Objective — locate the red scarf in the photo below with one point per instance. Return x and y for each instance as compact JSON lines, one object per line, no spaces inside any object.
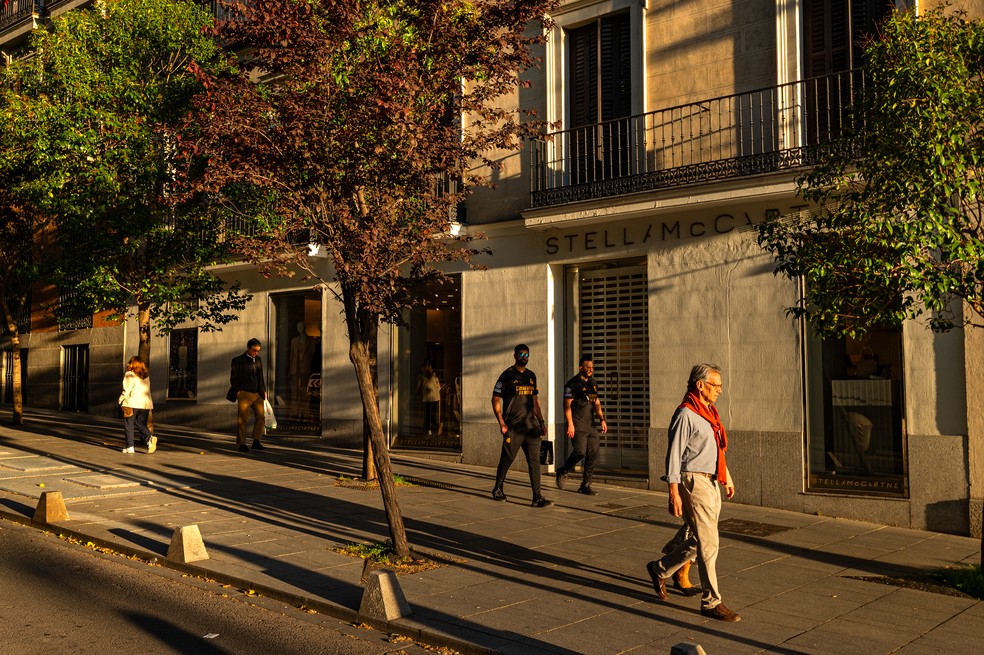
{"x":710,"y":414}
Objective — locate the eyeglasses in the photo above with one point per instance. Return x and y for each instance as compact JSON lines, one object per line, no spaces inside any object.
{"x":523,"y":355}
{"x":711,"y":384}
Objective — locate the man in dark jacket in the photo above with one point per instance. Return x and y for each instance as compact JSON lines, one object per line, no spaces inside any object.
{"x":249,"y":391}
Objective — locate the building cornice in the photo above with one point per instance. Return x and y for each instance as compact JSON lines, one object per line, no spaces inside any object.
{"x":657,"y":203}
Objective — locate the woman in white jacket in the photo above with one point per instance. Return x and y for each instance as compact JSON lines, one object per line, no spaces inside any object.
{"x":137,"y":403}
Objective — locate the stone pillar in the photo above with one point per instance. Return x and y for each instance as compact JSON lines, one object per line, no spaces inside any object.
{"x":974,"y":382}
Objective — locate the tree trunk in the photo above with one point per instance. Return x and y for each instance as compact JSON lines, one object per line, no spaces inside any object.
{"x":368,"y":464}
{"x":17,"y":415}
{"x":143,"y":329}
{"x":369,"y":472}
{"x":360,"y":325}
{"x":143,"y":351}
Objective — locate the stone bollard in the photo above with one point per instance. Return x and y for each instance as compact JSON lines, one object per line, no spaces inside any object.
{"x":51,"y":508}
{"x":383,"y":599}
{"x":187,"y":545}
{"x":687,"y":649}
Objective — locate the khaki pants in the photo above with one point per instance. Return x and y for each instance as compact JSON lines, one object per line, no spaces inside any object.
{"x":247,"y":400}
{"x":701,"y":509}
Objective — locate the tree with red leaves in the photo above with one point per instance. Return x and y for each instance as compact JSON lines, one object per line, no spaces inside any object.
{"x":360,"y":126}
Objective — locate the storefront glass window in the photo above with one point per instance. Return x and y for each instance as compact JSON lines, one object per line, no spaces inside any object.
{"x":294,"y":362}
{"x":856,"y":417}
{"x":427,"y":372}
{"x":182,"y":370}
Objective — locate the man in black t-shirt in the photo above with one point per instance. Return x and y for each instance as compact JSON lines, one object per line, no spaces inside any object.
{"x":517,"y":409}
{"x":581,"y":405}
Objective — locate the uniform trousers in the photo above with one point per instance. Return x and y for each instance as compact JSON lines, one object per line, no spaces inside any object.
{"x":512,"y":441}
{"x":586,"y":444}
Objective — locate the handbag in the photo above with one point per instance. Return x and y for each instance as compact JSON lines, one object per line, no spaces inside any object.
{"x":546,"y":452}
{"x":127,"y":411}
{"x":269,"y":418}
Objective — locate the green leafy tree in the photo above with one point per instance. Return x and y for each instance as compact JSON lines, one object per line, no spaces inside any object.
{"x":47,"y":150}
{"x":898,"y":234}
{"x":130,"y":61}
{"x":25,"y":219}
{"x":369,"y":124}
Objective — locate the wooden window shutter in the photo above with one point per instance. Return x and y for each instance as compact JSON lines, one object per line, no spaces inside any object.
{"x":616,"y":68}
{"x":836,"y":31}
{"x":584,"y":75}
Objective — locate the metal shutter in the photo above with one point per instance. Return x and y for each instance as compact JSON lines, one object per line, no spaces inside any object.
{"x":612,"y":325}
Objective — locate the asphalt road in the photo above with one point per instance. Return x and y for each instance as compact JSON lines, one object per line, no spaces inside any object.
{"x":59,"y":598}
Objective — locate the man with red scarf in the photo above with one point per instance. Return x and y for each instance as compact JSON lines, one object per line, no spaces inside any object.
{"x":695,"y":465}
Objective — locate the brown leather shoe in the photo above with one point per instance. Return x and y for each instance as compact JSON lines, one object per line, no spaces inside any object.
{"x":721,"y":613}
{"x":681,"y":579}
{"x":659,"y":583}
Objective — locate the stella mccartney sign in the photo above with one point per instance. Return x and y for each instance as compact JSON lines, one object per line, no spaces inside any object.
{"x":641,"y":233}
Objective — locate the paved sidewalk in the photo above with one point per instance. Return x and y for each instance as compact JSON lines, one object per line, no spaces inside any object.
{"x":566,"y":579}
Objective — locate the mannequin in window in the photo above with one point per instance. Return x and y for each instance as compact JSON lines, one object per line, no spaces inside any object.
{"x":429,"y":385}
{"x":183,"y":367}
{"x":301,"y":348}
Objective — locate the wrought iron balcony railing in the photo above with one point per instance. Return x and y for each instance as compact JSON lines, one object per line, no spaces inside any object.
{"x":773,"y":129}
{"x":221,"y":13}
{"x":14,"y":12}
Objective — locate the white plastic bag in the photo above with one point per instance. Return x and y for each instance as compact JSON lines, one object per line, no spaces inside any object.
{"x":269,"y":418}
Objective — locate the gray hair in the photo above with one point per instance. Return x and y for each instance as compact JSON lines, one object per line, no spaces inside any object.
{"x":699,"y":373}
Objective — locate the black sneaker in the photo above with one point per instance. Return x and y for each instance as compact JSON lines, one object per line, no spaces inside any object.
{"x":258,"y":446}
{"x":244,"y":448}
{"x":497,"y":494}
{"x":541,"y":502}
{"x":561,"y":478}
{"x":587,"y":490}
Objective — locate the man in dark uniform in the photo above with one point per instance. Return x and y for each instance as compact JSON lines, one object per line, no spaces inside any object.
{"x":246,"y":387}
{"x":517,"y":408}
{"x":581,"y":405}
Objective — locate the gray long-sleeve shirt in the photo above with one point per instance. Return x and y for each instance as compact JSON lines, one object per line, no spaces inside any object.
{"x":691,"y":446}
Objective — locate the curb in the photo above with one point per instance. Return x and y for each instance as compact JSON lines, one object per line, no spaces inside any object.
{"x":296,"y":600}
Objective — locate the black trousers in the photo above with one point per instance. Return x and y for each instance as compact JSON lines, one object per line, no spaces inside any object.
{"x":512,"y":442}
{"x":430,"y":415}
{"x":586,"y":444}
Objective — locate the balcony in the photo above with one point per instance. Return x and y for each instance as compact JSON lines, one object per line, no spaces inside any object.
{"x":22,"y":13}
{"x":781,"y":128}
{"x":218,"y":11}
{"x":17,"y":12}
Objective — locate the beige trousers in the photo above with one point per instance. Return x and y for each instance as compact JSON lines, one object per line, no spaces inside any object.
{"x":701,"y":509}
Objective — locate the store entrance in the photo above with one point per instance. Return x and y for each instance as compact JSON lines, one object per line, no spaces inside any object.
{"x":609,"y":305}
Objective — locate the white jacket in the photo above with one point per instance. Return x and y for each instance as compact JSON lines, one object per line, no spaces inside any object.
{"x":136,"y":392}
